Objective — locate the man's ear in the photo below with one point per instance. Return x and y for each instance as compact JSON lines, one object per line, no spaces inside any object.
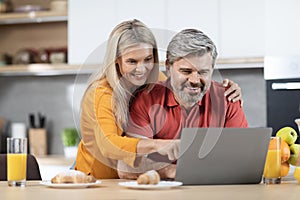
{"x":167,"y":64}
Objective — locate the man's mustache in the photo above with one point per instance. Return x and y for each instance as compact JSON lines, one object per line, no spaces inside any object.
{"x":200,"y":85}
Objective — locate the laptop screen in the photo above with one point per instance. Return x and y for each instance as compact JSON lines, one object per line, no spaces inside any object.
{"x":222,"y":155}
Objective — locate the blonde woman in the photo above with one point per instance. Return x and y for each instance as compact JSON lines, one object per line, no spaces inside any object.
{"x":131,"y":61}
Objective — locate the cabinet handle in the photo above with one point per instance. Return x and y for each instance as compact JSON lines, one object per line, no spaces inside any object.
{"x":286,"y":86}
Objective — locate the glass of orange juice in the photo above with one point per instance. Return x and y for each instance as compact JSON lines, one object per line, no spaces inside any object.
{"x":273,"y":162}
{"x":16,"y":161}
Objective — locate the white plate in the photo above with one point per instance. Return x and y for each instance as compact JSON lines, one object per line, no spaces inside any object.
{"x":160,"y":185}
{"x":69,"y":185}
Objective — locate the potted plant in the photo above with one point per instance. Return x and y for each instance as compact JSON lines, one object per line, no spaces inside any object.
{"x":70,"y":139}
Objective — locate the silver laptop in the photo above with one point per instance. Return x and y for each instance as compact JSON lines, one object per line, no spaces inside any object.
{"x":222,"y":155}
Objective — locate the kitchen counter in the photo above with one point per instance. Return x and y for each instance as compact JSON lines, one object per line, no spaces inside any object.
{"x":109,"y":189}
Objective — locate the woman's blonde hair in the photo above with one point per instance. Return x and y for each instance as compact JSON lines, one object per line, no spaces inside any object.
{"x":124,"y":35}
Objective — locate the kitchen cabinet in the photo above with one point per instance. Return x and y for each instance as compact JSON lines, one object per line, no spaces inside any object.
{"x":200,"y":14}
{"x":231,"y":24}
{"x":283,"y":28}
{"x":241,"y":28}
{"x":89,"y":31}
{"x":33,"y":30}
{"x":87,"y":40}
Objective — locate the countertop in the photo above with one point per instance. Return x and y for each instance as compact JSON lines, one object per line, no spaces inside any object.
{"x":109,"y":189}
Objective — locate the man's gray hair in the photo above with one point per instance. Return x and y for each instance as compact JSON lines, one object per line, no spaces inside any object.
{"x":190,"y":42}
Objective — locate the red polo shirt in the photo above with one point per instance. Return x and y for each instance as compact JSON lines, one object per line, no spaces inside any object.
{"x":156,"y":113}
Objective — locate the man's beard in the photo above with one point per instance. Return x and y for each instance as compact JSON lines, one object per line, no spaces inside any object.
{"x":191,"y":100}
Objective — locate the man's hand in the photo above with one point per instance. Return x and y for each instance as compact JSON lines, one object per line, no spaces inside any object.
{"x":233,"y":93}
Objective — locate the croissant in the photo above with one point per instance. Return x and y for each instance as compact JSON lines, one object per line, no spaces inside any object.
{"x":73,"y":176}
{"x":149,"y":177}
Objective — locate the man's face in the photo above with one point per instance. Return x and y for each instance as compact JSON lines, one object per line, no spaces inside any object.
{"x":191,"y":78}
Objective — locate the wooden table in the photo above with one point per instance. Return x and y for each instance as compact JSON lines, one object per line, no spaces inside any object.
{"x":109,"y":189}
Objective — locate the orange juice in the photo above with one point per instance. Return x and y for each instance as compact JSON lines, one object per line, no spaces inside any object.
{"x":273,"y":164}
{"x":16,"y":166}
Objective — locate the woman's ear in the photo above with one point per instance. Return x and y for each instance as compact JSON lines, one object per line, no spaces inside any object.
{"x":168,"y":66}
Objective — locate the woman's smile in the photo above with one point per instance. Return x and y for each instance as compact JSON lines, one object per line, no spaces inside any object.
{"x":136,"y":63}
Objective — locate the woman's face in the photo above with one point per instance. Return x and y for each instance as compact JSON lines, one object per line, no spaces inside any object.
{"x":136,"y":63}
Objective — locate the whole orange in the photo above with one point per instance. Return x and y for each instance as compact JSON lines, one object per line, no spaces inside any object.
{"x":285,"y":151}
{"x":285,"y":168}
{"x":273,"y":144}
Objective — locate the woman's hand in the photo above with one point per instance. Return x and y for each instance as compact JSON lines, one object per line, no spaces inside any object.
{"x":168,"y":172}
{"x":168,"y":148}
{"x":234,"y":92}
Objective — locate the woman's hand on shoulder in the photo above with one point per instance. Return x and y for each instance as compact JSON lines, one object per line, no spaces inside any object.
{"x":233,"y":91}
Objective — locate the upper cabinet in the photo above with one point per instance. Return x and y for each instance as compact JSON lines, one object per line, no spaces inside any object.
{"x":89,"y":31}
{"x":200,"y":14}
{"x":283,"y":28}
{"x":233,"y":25}
{"x":241,"y":28}
{"x":236,"y":27}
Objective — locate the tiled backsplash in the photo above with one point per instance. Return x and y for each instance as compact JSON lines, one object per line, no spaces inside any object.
{"x":51,"y":96}
{"x":55,"y":97}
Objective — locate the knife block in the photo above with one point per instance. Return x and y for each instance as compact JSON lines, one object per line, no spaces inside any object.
{"x":38,"y":141}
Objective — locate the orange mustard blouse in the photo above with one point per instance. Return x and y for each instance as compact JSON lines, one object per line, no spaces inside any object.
{"x":102,"y":143}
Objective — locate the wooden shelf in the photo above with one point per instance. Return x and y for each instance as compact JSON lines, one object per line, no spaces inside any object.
{"x":46,"y":70}
{"x":240,"y":63}
{"x":65,"y":69}
{"x":234,"y":63}
{"x":33,"y":17}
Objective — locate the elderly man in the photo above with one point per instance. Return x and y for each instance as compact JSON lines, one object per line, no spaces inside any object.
{"x":189,"y":98}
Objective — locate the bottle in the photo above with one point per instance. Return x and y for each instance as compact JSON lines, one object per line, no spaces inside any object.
{"x":6,"y":6}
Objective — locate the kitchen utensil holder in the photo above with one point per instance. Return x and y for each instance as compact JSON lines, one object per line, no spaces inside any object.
{"x":38,"y":141}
